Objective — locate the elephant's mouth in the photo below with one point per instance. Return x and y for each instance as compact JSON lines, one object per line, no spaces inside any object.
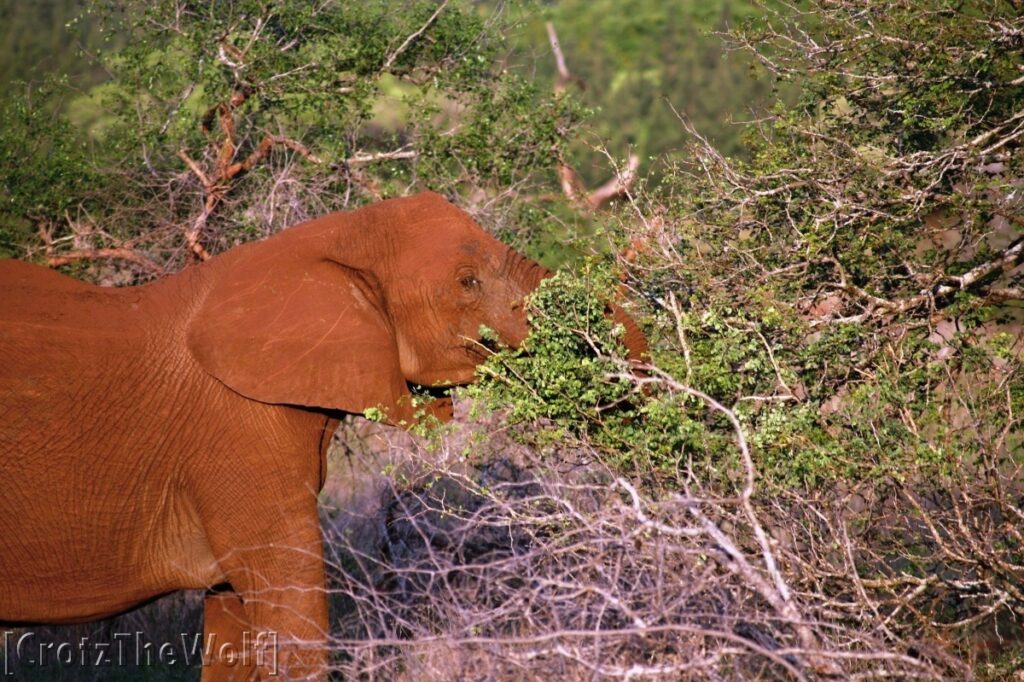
{"x":480,"y":349}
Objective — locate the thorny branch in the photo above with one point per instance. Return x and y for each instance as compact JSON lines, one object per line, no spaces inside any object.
{"x":486,"y":573}
{"x":126,"y":254}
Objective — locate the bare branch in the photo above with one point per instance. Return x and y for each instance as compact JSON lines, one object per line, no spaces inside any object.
{"x":389,"y":62}
{"x":616,"y":186}
{"x":122,"y":253}
{"x":556,"y":49}
{"x":364,"y":158}
{"x":570,"y":181}
{"x":1007,"y":259}
{"x":194,"y":167}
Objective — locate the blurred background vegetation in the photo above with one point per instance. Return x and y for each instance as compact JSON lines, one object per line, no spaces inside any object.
{"x":636,"y":66}
{"x":632,"y":61}
{"x":48,"y":37}
{"x":638,"y":63}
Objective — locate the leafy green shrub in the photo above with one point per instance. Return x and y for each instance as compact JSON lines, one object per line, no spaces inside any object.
{"x":851,"y":292}
{"x":44,"y":166}
{"x":224,"y":122}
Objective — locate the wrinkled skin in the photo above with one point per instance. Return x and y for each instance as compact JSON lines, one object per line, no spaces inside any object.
{"x":172,"y":435}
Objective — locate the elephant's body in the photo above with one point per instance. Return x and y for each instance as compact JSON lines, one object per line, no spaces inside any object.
{"x":172,"y":435}
{"x":87,"y":503}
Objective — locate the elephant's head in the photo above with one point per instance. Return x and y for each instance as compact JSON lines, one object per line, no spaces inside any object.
{"x":343,"y":311}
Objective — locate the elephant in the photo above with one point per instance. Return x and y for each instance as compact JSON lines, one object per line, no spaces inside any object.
{"x":172,"y":435}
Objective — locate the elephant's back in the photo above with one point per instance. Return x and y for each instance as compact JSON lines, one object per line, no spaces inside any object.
{"x":41,"y":298}
{"x":55,"y":332}
{"x":19,"y":276}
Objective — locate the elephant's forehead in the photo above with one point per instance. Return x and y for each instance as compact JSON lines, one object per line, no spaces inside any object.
{"x":454,"y":246}
{"x":454,"y":220}
{"x":449,"y":241}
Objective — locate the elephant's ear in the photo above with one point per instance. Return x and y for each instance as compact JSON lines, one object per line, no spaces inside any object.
{"x":283,"y":331}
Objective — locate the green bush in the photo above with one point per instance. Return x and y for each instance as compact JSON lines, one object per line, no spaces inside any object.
{"x":851,"y":291}
{"x":44,"y":166}
{"x":316,"y":107}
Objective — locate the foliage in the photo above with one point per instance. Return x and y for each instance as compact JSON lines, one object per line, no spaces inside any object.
{"x":634,"y":61}
{"x":806,"y":287}
{"x":570,"y":380}
{"x":447,"y":109}
{"x":227,"y":121}
{"x":559,"y":374}
{"x":851,"y":294}
{"x":848,"y":271}
{"x":41,"y":38}
{"x":44,"y":169}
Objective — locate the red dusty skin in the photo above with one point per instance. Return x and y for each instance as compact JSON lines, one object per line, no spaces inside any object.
{"x":635,"y":341}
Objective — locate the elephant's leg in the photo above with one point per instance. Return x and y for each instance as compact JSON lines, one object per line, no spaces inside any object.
{"x":291,"y":618}
{"x":229,"y":646}
{"x":273,"y":559}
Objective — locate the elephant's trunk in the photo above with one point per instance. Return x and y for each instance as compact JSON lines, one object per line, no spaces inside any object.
{"x":635,"y":341}
{"x":527,"y":272}
{"x":530,"y":274}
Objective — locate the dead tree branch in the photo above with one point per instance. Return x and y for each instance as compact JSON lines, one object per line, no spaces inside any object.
{"x":85,"y":253}
{"x":777,"y":592}
{"x":123,"y":253}
{"x":217,"y":182}
{"x":572,"y":185}
{"x":877,"y":307}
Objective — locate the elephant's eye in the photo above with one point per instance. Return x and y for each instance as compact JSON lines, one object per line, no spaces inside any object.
{"x":469,"y":282}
